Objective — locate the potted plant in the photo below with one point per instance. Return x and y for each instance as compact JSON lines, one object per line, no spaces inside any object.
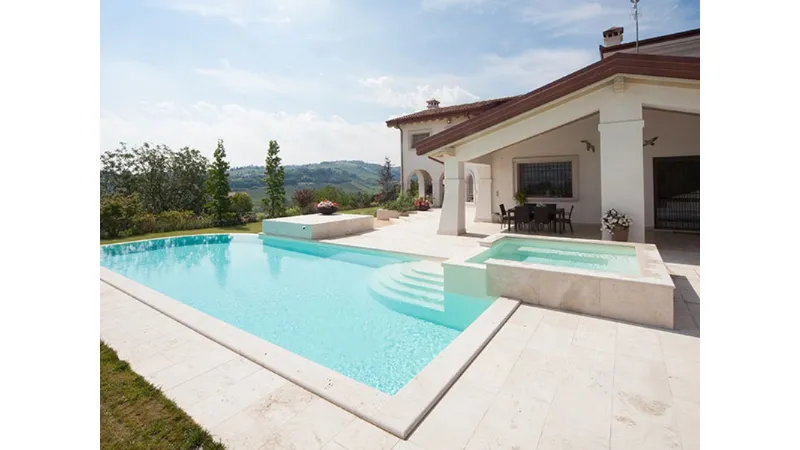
{"x":521,"y":197}
{"x":422,"y":204}
{"x":616,"y":224}
{"x":326,"y":207}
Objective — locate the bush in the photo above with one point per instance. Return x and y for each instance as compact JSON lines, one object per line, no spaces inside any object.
{"x":303,"y":198}
{"x":144,"y":223}
{"x":176,"y":220}
{"x":228,"y":219}
{"x":294,"y":211}
{"x":241,"y":203}
{"x":261,"y":216}
{"x":117,"y":213}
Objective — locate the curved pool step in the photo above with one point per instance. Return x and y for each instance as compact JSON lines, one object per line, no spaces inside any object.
{"x":412,"y":289}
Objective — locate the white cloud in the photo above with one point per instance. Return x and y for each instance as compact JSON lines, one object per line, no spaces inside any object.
{"x":533,"y":68}
{"x":496,"y":76}
{"x":246,"y":82}
{"x":246,"y":12}
{"x":405,"y":94}
{"x":303,"y":137}
{"x":442,"y":5}
{"x":593,"y":16}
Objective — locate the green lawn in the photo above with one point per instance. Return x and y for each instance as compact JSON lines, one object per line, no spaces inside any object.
{"x":363,"y":211}
{"x":135,"y":415}
{"x":254,"y":227}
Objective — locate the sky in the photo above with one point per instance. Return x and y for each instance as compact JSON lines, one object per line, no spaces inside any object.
{"x":321,"y":77}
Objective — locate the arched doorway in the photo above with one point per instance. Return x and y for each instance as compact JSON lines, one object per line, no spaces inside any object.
{"x":419,"y":183}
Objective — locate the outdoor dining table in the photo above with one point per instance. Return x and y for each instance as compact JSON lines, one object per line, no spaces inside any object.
{"x":558,"y":216}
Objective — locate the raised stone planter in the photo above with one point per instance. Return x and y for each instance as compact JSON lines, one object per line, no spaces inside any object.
{"x":386,"y":214}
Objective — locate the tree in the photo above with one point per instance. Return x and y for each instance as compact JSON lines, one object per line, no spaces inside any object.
{"x":304,"y":198}
{"x":217,"y":187}
{"x":152,"y":169}
{"x":241,"y":203}
{"x":189,"y":174}
{"x":386,"y":180}
{"x":275,"y":194}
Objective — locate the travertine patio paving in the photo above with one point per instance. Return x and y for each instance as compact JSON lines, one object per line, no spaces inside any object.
{"x":547,"y":380}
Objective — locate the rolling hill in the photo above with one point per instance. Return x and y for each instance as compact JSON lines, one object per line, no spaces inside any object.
{"x":349,"y":176}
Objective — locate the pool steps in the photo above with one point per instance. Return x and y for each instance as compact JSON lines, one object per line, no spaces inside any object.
{"x":415,"y":289}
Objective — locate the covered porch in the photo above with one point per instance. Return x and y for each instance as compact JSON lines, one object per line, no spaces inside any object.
{"x":629,"y":143}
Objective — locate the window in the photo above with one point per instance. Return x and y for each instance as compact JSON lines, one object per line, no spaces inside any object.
{"x":547,"y":177}
{"x":416,"y":137}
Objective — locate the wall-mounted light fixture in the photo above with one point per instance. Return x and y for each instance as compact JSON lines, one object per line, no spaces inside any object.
{"x":651,"y":141}
{"x":589,"y":146}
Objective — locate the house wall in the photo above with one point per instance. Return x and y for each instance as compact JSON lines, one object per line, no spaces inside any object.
{"x":563,"y":141}
{"x":689,"y":46}
{"x":678,"y":135}
{"x":410,"y":161}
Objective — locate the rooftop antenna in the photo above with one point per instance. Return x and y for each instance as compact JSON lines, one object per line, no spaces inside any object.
{"x":635,"y":14}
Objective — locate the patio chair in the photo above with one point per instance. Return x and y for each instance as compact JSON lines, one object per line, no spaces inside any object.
{"x":522,"y":217}
{"x":567,"y":220}
{"x":542,"y":215}
{"x":506,"y":216}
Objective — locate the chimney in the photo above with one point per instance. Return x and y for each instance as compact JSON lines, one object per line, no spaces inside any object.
{"x":612,"y":36}
{"x":433,"y":103}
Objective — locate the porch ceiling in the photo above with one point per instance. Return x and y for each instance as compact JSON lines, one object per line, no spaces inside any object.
{"x":676,"y":67}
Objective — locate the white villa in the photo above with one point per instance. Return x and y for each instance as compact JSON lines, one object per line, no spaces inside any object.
{"x":621,"y":133}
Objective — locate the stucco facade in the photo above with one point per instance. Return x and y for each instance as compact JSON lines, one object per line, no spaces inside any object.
{"x":605,"y":126}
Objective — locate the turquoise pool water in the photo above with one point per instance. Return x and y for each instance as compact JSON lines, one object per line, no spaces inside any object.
{"x":618,"y":259}
{"x":309,"y":298}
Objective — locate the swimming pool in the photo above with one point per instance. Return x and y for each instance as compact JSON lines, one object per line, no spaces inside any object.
{"x":310,"y":298}
{"x":579,"y":255}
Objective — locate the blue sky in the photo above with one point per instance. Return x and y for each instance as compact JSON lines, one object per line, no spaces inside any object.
{"x":322,"y":76}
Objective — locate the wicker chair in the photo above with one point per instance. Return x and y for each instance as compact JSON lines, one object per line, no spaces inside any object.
{"x":542,"y":215}
{"x":506,"y":216}
{"x":522,"y":217}
{"x":567,"y":220}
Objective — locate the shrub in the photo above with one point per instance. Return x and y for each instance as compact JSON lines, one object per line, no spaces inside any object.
{"x":241,"y":203}
{"x":303,"y":197}
{"x":144,"y":223}
{"x":261,"y":216}
{"x":294,"y":211}
{"x":117,"y":213}
{"x":176,"y":220}
{"x":227,"y":219}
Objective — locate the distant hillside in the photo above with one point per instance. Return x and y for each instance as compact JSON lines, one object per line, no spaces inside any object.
{"x":349,"y":176}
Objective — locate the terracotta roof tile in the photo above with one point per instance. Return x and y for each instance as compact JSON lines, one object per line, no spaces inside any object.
{"x":449,"y":111}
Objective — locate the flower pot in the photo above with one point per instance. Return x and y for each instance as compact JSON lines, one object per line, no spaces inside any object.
{"x":327,"y":211}
{"x":423,"y":208}
{"x":620,"y":234}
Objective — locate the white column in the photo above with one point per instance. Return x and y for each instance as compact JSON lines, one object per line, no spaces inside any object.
{"x":452,"y":220}
{"x":437,"y":190}
{"x":622,"y":162}
{"x":483,"y":192}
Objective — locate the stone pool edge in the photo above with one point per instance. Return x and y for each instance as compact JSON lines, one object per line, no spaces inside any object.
{"x":644,"y":299}
{"x":398,"y":414}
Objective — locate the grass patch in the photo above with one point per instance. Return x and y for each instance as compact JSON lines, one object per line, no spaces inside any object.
{"x":254,"y":227}
{"x":363,"y":211}
{"x":135,"y":415}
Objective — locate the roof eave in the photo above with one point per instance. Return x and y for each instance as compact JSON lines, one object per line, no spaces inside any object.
{"x":678,"y":67}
